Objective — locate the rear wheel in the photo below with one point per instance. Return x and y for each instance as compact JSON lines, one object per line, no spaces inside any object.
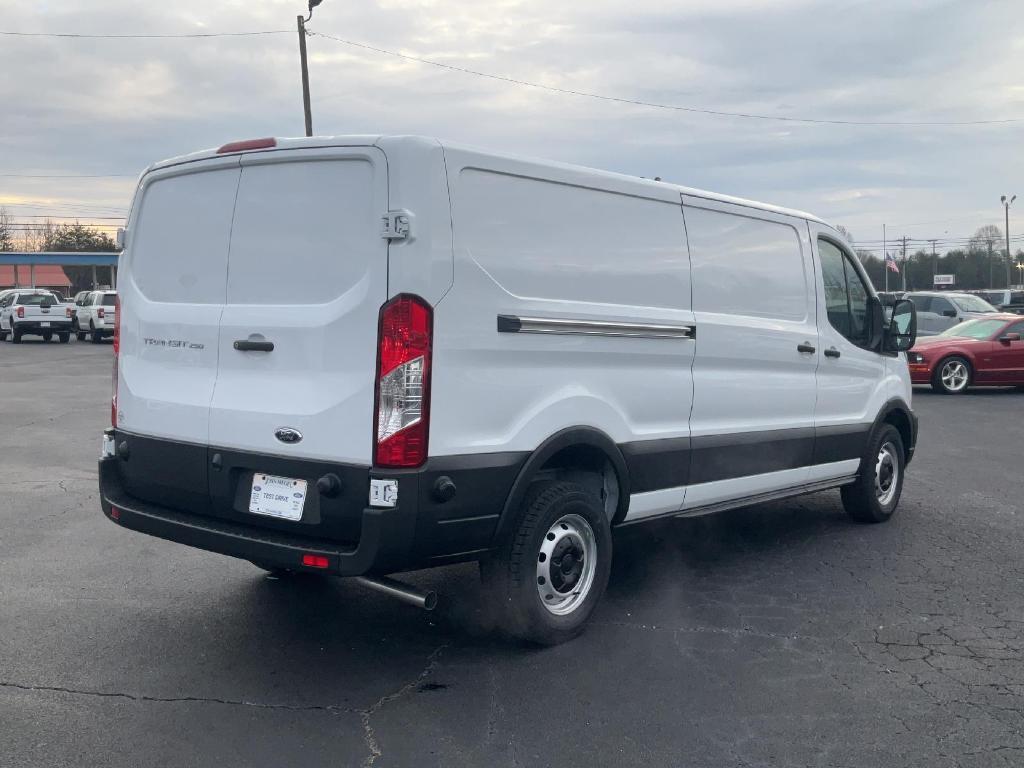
{"x":80,"y":335}
{"x":16,"y":336}
{"x":64,"y":337}
{"x":874,"y":496}
{"x":552,"y":569}
{"x":97,"y":337}
{"x":48,"y":336}
{"x":952,"y":376}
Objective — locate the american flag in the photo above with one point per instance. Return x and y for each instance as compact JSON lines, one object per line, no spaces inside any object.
{"x":890,"y":263}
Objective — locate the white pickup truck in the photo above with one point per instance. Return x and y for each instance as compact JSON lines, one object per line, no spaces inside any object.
{"x":35,"y":312}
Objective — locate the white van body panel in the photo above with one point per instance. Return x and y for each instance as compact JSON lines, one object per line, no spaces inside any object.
{"x":551,"y":242}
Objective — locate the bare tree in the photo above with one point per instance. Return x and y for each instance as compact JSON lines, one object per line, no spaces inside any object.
{"x":6,"y":232}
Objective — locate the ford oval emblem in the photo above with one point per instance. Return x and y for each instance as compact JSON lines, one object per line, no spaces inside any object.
{"x":288,"y":435}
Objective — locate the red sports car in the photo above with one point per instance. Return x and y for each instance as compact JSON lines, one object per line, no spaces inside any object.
{"x":988,"y":351}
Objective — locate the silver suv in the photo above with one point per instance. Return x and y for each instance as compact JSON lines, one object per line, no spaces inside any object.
{"x":939,"y":310}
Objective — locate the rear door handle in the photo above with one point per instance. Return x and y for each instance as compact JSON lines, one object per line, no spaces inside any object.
{"x":805,"y":349}
{"x":250,"y":345}
{"x":832,"y":352}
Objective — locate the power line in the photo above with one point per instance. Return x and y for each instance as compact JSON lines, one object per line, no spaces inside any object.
{"x":145,"y":36}
{"x":657,"y":105}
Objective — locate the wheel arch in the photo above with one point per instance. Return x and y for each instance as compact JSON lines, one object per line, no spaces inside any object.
{"x":574,"y":449}
{"x":898,"y":413}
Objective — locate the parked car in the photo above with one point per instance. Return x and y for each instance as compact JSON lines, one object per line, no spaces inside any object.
{"x":983,"y":352}
{"x":939,"y":310}
{"x":498,"y":360}
{"x":76,"y":302}
{"x":35,"y":312}
{"x":96,"y":316}
{"x":1005,"y":300}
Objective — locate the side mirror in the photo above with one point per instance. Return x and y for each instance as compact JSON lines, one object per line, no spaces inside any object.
{"x":949,"y":313}
{"x":1007,"y":338}
{"x":902,"y":331}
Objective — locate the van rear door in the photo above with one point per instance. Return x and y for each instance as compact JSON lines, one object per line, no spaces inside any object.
{"x":172,"y":289}
{"x":306,"y":276}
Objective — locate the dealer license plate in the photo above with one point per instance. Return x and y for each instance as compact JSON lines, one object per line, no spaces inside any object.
{"x":45,"y":324}
{"x":277,"y":496}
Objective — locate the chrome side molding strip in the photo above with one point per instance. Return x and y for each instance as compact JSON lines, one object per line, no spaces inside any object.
{"x":514,"y":324}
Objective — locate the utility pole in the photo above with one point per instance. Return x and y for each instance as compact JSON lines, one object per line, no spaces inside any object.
{"x":935,"y":263}
{"x":904,"y":262}
{"x":1006,"y":206}
{"x":301,"y":22}
{"x":885,"y":260}
{"x":990,"y":264}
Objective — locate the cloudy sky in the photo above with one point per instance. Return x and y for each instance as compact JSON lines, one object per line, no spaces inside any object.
{"x":109,"y":107}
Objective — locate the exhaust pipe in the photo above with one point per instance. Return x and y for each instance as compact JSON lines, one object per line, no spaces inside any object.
{"x":425,"y":600}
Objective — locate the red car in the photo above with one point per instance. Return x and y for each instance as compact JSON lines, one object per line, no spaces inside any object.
{"x":988,"y":351}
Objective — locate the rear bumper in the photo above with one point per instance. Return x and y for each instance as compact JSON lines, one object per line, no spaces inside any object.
{"x":420,"y":531}
{"x":36,"y":326}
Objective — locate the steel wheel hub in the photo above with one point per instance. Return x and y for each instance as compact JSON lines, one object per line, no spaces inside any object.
{"x":566,"y":564}
{"x":887,"y":471}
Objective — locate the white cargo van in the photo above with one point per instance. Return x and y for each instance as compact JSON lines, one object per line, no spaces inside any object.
{"x":363,"y":355}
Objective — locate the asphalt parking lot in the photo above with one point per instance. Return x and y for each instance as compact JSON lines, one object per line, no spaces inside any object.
{"x":779,"y":635}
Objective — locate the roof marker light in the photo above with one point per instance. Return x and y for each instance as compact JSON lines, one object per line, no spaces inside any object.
{"x":242,"y":146}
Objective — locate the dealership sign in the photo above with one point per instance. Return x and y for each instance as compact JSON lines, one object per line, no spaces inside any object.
{"x":944,"y":280}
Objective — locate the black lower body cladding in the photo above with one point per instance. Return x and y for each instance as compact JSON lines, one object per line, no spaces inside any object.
{"x":199,"y":496}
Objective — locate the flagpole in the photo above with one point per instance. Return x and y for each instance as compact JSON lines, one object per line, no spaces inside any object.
{"x":885,"y":260}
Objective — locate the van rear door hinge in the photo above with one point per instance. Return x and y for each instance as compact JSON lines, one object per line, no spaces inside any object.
{"x":396,"y":225}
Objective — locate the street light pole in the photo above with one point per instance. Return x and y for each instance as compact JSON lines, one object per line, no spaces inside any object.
{"x":1006,"y":206}
{"x":301,"y":22}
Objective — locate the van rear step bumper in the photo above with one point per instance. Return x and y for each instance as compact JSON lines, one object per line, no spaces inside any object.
{"x":382,"y":534}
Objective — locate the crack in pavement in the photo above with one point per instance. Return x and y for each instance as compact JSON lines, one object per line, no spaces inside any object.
{"x":178,"y":699}
{"x":369,"y":735}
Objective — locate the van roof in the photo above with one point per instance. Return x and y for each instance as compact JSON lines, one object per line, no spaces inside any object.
{"x":377,"y":140}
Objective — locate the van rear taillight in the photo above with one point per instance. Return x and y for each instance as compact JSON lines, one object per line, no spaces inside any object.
{"x":117,"y":352}
{"x":402,"y":408}
{"x":20,"y":312}
{"x":241,"y":146}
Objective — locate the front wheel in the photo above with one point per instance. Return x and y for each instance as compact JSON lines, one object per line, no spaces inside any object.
{"x":551,"y":570}
{"x":874,"y":496}
{"x":952,"y":376}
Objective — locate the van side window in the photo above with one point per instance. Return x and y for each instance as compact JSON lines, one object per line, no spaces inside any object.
{"x":846,"y":295}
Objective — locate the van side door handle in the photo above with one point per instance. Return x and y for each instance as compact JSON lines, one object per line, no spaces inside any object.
{"x":805,"y":348}
{"x":832,"y":352}
{"x":251,"y":345}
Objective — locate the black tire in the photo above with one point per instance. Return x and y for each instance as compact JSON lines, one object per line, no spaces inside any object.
{"x":864,"y":500}
{"x":16,"y":337}
{"x":80,"y":335}
{"x":48,"y":336}
{"x":3,"y":335}
{"x":940,"y":382}
{"x":64,"y":337}
{"x":511,"y":575}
